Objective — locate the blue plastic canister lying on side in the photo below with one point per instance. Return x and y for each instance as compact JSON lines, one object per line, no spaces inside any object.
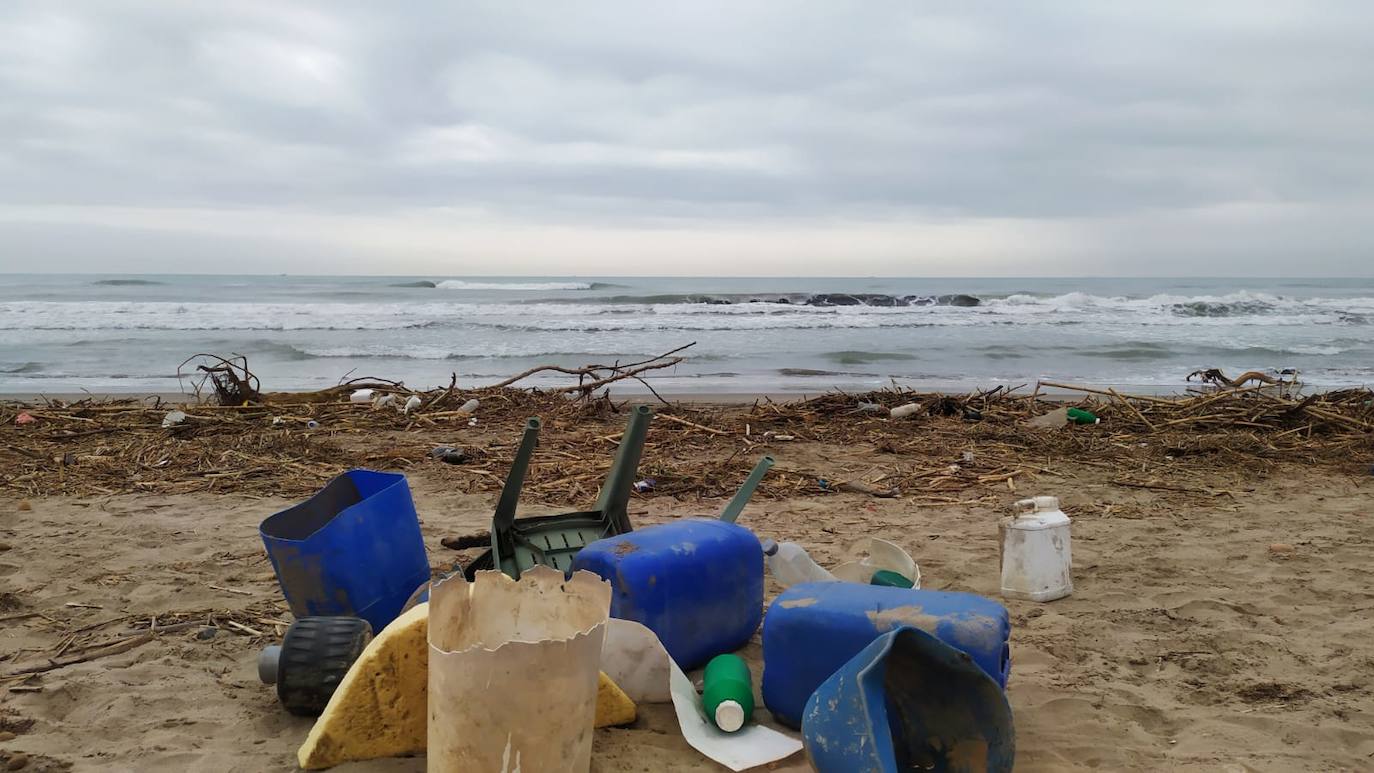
{"x":814,"y":628}
{"x":352,"y":549}
{"x":698,"y":584}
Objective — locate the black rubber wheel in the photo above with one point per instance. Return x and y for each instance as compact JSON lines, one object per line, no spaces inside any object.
{"x":315,"y":654}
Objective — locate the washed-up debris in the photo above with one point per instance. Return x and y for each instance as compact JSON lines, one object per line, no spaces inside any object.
{"x":903,"y":411}
{"x":173,"y":418}
{"x":449,"y":454}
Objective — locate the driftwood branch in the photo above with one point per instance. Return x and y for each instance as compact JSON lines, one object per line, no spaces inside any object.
{"x":601,"y":375}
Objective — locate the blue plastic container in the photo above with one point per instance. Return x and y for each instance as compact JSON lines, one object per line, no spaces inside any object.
{"x":352,"y":549}
{"x":908,"y":701}
{"x":698,"y":584}
{"x":814,"y":628}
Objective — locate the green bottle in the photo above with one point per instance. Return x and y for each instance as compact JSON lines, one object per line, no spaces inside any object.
{"x":1080,"y":416}
{"x":727,"y":693}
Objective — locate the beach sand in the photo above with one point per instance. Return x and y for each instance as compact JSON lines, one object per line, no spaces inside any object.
{"x":1194,"y":640}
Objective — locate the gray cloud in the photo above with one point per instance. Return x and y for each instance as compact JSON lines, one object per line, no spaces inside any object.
{"x":1074,"y":137}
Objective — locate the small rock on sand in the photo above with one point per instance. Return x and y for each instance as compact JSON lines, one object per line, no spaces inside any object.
{"x":1280,"y":549}
{"x":18,"y":762}
{"x":25,"y":505}
{"x":6,"y":735}
{"x":5,"y":546}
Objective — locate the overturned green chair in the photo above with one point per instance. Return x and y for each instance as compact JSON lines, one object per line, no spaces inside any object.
{"x":553,"y":540}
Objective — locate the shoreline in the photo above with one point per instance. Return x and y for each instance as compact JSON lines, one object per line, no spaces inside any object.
{"x":708,"y":397}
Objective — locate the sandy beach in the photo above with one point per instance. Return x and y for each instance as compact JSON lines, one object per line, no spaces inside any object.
{"x":1218,"y":621}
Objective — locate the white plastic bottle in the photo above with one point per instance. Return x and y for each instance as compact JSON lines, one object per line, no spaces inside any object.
{"x":1036,"y":553}
{"x":790,"y":565}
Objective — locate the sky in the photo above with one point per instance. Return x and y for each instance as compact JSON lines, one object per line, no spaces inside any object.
{"x":1217,"y":138}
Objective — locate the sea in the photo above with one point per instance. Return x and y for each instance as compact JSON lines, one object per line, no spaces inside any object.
{"x":122,"y":333}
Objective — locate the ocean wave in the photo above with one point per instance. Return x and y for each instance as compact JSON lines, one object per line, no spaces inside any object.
{"x":858,"y":357}
{"x":463,"y":284}
{"x":20,"y":367}
{"x":126,"y":282}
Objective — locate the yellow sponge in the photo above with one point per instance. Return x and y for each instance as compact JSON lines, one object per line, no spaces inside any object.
{"x":381,"y":706}
{"x":613,"y":706}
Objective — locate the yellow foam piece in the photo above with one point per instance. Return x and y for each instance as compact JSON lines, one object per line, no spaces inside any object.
{"x":381,"y":707}
{"x":613,"y":706}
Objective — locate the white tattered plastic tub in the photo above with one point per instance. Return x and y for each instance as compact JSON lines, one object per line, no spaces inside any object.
{"x":513,"y":671}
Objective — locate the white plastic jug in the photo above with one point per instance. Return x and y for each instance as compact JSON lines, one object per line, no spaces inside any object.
{"x":1035,"y":551}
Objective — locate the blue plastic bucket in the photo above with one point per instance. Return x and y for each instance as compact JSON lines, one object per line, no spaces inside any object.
{"x":909,"y":701}
{"x":352,"y":549}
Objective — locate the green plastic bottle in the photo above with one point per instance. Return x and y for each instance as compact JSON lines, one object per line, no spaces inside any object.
{"x":1080,"y":416}
{"x":727,"y":693}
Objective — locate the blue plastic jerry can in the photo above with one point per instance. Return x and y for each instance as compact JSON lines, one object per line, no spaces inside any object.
{"x":354,"y":548}
{"x":698,"y":584}
{"x":814,"y":628}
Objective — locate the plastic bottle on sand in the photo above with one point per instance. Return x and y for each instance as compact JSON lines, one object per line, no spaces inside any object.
{"x":790,"y":565}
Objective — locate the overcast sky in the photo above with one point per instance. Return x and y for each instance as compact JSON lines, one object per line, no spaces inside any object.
{"x":1207,"y":137}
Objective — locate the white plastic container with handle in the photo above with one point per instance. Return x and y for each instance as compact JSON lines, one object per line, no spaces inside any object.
{"x":1036,"y":555}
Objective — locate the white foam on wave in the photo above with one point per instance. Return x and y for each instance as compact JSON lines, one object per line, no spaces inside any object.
{"x":462,"y":284}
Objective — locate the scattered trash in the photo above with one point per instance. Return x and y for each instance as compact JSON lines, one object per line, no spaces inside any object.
{"x":746,"y":490}
{"x":207,"y":633}
{"x":354,"y":548}
{"x":909,"y":701}
{"x":379,"y":708}
{"x":903,"y":411}
{"x":634,"y":657}
{"x":553,"y":540}
{"x":522,"y":637}
{"x":312,"y":424}
{"x":811,"y":630}
{"x":312,"y":659}
{"x":613,"y":706}
{"x":968,"y":457}
{"x":972,"y":414}
{"x":413,"y":404}
{"x":173,"y":418}
{"x":790,"y":564}
{"x":449,"y":454}
{"x":727,"y":692}
{"x":1080,"y":416}
{"x":675,"y":577}
{"x":891,"y":579}
{"x":645,"y":486}
{"x":870,"y":408}
{"x":823,"y":484}
{"x":870,"y":557}
{"x":1037,"y":559}
{"x":472,"y":422}
{"x":278,"y":421}
{"x":362,"y":396}
{"x":785,"y":438}
{"x":1052,"y":420}
{"x":23,"y":418}
{"x":383,"y":401}
{"x":470,"y":406}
